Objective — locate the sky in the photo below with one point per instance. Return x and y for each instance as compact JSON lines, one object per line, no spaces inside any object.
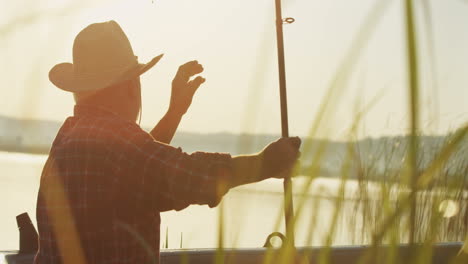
{"x":236,"y":43}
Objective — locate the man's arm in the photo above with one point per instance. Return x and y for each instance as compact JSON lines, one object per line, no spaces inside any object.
{"x":246,"y":169}
{"x":166,"y":178}
{"x":165,"y":129}
{"x":182,"y":93}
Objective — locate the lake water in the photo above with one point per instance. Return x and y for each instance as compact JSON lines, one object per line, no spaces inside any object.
{"x":251,"y":211}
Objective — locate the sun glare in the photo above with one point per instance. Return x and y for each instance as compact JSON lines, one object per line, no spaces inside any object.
{"x":448,"y":208}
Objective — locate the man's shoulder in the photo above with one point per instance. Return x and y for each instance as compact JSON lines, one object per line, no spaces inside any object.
{"x":99,"y":129}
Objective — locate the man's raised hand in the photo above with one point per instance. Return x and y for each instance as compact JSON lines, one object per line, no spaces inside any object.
{"x":183,"y":88}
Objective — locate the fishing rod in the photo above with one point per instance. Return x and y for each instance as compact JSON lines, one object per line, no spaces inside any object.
{"x":287,"y":184}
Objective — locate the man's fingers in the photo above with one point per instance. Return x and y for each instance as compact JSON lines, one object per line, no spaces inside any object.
{"x":192,"y":67}
{"x":290,"y":171}
{"x":295,"y":142}
{"x":195,"y":83}
{"x":291,"y":148}
{"x":187,"y":70}
{"x":282,"y":155}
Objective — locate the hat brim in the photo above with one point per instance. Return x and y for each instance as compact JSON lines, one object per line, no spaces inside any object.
{"x":62,"y":75}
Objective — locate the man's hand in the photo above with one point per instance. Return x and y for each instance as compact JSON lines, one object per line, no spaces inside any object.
{"x":274,"y":161}
{"x":183,"y":88}
{"x":279,"y":157}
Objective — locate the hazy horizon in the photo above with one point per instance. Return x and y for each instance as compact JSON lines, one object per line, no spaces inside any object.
{"x":235,"y":133}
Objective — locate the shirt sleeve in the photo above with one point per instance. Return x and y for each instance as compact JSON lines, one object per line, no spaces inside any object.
{"x":166,"y":178}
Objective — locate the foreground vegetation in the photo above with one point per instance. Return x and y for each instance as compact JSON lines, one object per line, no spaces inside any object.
{"x":422,"y":201}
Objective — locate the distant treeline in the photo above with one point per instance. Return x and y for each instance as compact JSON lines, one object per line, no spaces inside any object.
{"x":377,"y":158}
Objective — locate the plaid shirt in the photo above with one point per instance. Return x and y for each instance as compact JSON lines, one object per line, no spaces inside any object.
{"x":105,"y":183}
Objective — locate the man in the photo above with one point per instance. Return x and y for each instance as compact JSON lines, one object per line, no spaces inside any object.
{"x":106,"y":180}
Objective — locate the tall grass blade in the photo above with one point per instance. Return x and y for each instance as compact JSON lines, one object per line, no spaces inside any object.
{"x":428,"y":21}
{"x":413,"y":103}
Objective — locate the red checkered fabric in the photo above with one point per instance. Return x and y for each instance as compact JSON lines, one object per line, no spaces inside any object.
{"x":106,"y":181}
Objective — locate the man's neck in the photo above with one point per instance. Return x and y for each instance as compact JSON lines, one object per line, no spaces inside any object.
{"x":118,"y":111}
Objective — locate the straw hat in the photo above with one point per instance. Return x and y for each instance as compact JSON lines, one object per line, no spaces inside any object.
{"x":102,"y":56}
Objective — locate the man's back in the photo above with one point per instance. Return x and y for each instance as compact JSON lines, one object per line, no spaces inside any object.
{"x":105,"y":183}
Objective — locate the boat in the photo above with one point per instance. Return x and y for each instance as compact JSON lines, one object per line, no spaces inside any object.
{"x":442,"y":253}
